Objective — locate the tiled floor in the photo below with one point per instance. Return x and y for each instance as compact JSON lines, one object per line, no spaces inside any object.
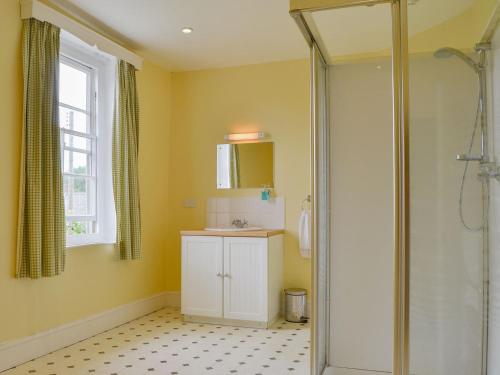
{"x":161,"y":343}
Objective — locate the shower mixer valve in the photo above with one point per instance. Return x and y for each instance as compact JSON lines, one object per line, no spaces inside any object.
{"x":486,"y":169}
{"x":490,"y":169}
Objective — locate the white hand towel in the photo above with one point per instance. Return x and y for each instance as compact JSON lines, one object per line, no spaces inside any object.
{"x":305,"y":233}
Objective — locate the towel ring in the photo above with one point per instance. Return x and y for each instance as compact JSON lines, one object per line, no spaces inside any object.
{"x":306,"y":200}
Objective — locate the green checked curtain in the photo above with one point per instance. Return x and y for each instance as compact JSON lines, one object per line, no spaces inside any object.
{"x":41,"y":226}
{"x":234,"y":166}
{"x":125,"y":165}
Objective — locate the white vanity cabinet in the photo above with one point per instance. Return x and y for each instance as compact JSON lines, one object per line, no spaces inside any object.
{"x":232,"y":280}
{"x":201,"y":291}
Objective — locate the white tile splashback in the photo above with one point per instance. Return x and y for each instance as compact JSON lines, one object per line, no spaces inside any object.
{"x":265,"y":214}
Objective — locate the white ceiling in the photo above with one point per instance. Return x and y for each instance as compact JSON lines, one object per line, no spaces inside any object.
{"x":226,"y":32}
{"x":239,"y":32}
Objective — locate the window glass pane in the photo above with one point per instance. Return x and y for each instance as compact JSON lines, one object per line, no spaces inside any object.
{"x":74,"y":228}
{"x":74,"y":141}
{"x":79,"y":163}
{"x":72,"y":86}
{"x":79,"y":196}
{"x":74,"y":120}
{"x":76,"y":162}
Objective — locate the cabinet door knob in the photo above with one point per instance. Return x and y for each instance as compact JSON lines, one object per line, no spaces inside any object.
{"x":219,"y":274}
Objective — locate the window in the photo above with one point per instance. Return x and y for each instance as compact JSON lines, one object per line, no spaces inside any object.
{"x":77,"y":116}
{"x":86,"y":82}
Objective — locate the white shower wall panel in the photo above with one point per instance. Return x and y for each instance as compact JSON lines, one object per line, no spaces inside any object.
{"x":361,"y":188}
{"x":446,"y":259}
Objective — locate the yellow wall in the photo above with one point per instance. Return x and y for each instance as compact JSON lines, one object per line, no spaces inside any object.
{"x":208,"y":104}
{"x":270,"y":97}
{"x":461,"y":32}
{"x":94,"y":280}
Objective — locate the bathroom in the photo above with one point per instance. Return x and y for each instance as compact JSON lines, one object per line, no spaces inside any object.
{"x":311,"y":187}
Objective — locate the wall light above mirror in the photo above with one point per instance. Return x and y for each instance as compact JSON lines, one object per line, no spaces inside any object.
{"x":245,"y":165}
{"x":234,"y":137}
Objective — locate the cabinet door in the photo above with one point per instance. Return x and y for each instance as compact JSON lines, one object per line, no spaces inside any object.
{"x":201,"y":292}
{"x":245,"y":278}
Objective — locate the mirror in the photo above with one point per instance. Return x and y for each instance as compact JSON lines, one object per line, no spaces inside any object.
{"x":245,"y":165}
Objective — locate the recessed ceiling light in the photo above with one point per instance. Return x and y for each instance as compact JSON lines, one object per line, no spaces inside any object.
{"x":187,"y":30}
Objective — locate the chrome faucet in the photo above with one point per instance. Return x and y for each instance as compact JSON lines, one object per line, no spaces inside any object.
{"x":238,"y":223}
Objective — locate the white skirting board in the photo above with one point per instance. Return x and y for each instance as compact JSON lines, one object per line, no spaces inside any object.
{"x":349,"y":371}
{"x":13,"y":353}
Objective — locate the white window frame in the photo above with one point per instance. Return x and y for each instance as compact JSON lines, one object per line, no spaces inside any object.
{"x":101,"y":88}
{"x":91,"y":103}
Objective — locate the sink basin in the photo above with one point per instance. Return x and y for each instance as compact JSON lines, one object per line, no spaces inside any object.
{"x":233,"y":229}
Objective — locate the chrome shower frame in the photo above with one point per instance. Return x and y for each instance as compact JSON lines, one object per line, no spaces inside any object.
{"x":301,"y":11}
{"x":485,"y":168}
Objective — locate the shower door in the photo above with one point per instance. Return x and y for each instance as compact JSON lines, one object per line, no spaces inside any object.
{"x":358,"y":103}
{"x":452,"y":167}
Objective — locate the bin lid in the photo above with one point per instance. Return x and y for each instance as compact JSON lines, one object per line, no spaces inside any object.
{"x":296,"y":291}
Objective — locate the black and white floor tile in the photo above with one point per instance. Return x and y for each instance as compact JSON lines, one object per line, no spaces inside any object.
{"x":161,"y":343}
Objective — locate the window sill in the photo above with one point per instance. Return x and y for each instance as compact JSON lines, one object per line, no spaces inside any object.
{"x":89,"y":244}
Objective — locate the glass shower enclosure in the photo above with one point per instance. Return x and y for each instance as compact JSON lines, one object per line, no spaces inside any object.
{"x":406,"y":204}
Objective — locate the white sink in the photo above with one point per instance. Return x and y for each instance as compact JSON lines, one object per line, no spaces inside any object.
{"x":233,"y":229}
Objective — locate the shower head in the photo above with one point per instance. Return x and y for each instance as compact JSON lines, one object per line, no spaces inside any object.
{"x":446,"y":52}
